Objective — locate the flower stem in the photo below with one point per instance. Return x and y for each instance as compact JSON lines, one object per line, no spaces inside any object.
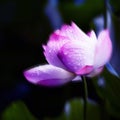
{"x":85,"y":98}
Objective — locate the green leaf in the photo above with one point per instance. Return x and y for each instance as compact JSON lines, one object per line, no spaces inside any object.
{"x":61,"y":117}
{"x":17,"y":111}
{"x":109,"y":92}
{"x":74,"y":111}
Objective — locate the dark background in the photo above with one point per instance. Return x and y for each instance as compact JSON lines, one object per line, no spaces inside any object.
{"x":24,"y":26}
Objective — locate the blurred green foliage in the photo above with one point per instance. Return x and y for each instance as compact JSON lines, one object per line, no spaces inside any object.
{"x":115,"y":5}
{"x":109,"y":93}
{"x":83,"y":14}
{"x":17,"y":111}
{"x":75,"y":111}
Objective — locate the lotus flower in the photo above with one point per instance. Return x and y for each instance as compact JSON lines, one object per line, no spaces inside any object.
{"x":70,"y":53}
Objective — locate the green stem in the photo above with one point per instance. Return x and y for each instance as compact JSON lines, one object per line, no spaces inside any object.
{"x":85,"y":98}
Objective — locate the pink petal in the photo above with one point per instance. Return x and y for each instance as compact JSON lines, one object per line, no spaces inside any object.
{"x":77,"y":55}
{"x":85,"y":70}
{"x":73,"y":32}
{"x":103,"y":49}
{"x":78,"y":33}
{"x":58,"y":39}
{"x":51,"y":49}
{"x":70,"y":32}
{"x":77,"y":78}
{"x":48,"y":75}
{"x":95,"y":72}
{"x":92,"y":36}
{"x":67,"y":30}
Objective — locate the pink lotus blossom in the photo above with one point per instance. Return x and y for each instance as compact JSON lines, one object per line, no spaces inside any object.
{"x":70,"y":53}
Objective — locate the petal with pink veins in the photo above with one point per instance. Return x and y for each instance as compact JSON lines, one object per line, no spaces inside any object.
{"x":103,"y":49}
{"x":48,"y":75}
